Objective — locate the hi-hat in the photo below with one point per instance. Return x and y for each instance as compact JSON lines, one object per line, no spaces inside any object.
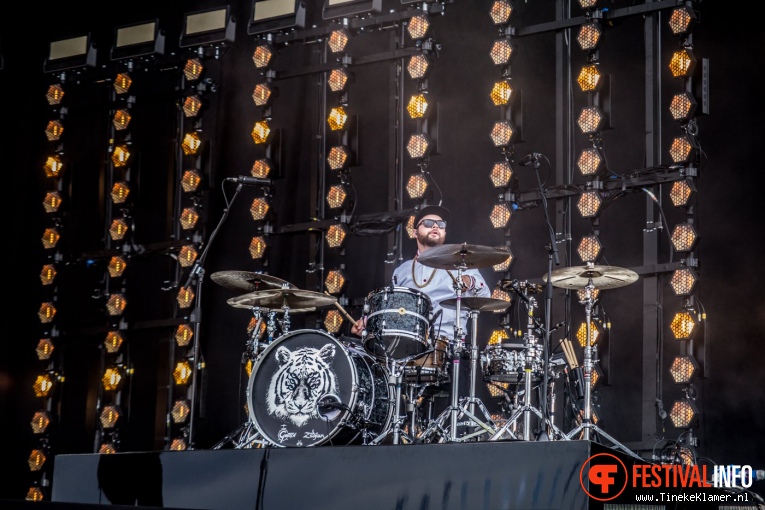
{"x":245,"y":281}
{"x":477,"y":304}
{"x":602,"y":277}
{"x":451,"y":256}
{"x":294,"y":300}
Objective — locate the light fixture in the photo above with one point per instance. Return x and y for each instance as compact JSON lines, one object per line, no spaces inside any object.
{"x":338,"y":40}
{"x":109,"y":417}
{"x":258,"y":247}
{"x":52,"y":201}
{"x":589,"y":35}
{"x":72,"y":53}
{"x":121,"y":119}
{"x":500,"y":11}
{"x":417,"y":106}
{"x":259,"y":208}
{"x":118,"y":229}
{"x":48,"y":274}
{"x":501,"y":52}
{"x":50,"y":238}
{"x":589,"y":248}
{"x":44,"y":349}
{"x":501,"y":295}
{"x":43,"y":385}
{"x":55,"y":94}
{"x":191,"y":144}
{"x":336,"y":235}
{"x":207,"y":27}
{"x":36,"y":460}
{"x":121,"y":156}
{"x":111,"y":380}
{"x":273,"y":15}
{"x":418,"y":26}
{"x":590,"y":120}
{"x":116,"y":304}
{"x":190,"y":181}
{"x":683,"y":237}
{"x":180,"y":411}
{"x":337,"y":118}
{"x":590,"y":161}
{"x":683,"y":413}
{"x":416,"y":186}
{"x":410,"y":231}
{"x":335,"y":281}
{"x":113,"y":342}
{"x":261,"y":168}
{"x":503,"y":133}
{"x":682,"y":63}
{"x":501,"y":173}
{"x":192,"y":106}
{"x":117,"y":266}
{"x":683,"y":281}
{"x":138,"y":40}
{"x":581,"y":333}
{"x":590,"y":78}
{"x":581,"y":294}
{"x":419,"y":66}
{"x":189,"y":218}
{"x":263,"y":54}
{"x":54,"y":130}
{"x":182,"y":373}
{"x":683,"y":369}
{"x":178,"y":445}
{"x":589,"y":204}
{"x":587,"y":4}
{"x":339,"y":157}
{"x":681,"y":191}
{"x":333,"y":320}
{"x":183,"y":335}
{"x":682,"y":107}
{"x":54,"y":165}
{"x":47,"y":312}
{"x":681,"y":20}
{"x":260,"y":132}
{"x":185,"y":297}
{"x":501,"y":215}
{"x":419,"y":146}
{"x":683,"y":149}
{"x":501,"y":93}
{"x":336,"y":196}
{"x":263,"y":94}
{"x":40,"y":422}
{"x":193,"y":69}
{"x":683,"y":325}
{"x":504,"y":265}
{"x":187,"y":255}
{"x":338,"y":79}
{"x":346,"y":8}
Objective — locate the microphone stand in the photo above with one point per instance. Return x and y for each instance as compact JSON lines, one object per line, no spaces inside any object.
{"x":552,"y":255}
{"x":196,"y":277}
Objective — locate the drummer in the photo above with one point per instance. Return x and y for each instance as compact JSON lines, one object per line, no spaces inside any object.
{"x":438,"y":284}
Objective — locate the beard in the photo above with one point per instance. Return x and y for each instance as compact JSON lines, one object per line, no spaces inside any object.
{"x":427,"y":240}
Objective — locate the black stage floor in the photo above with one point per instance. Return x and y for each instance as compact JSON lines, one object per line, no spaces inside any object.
{"x":465,"y":476}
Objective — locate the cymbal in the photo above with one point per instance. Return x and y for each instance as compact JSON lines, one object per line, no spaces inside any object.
{"x":602,"y":277}
{"x":294,"y":300}
{"x":477,"y":304}
{"x":248,"y":282}
{"x":451,"y":256}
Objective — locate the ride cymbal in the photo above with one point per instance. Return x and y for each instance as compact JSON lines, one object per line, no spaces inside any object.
{"x":602,"y":277}
{"x":452,"y":256}
{"x":294,"y":300}
{"x":246,"y":281}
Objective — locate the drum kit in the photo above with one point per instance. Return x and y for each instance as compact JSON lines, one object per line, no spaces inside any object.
{"x":309,"y":388}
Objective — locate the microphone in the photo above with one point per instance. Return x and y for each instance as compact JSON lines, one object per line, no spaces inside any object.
{"x":246,"y":179}
{"x":516,"y":287}
{"x":435,"y":317}
{"x":529,"y":159}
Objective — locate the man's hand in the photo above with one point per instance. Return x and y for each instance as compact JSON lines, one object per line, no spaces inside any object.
{"x":359,"y":326}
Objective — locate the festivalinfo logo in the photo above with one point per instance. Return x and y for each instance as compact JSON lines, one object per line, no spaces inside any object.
{"x":604,"y":476}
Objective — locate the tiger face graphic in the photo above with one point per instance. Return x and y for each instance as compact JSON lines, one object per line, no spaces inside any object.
{"x":304,"y":376}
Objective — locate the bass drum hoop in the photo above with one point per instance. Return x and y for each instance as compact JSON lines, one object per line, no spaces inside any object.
{"x":337,"y":420}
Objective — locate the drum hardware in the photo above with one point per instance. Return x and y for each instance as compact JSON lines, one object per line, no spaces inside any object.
{"x":589,"y":278}
{"x":531,"y":363}
{"x":462,"y":257}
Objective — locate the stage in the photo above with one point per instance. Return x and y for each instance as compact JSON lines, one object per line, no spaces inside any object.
{"x":465,"y":476}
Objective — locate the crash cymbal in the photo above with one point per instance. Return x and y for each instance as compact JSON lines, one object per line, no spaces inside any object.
{"x":245,"y":281}
{"x":451,"y":256}
{"x":295,"y":300}
{"x":477,"y":304}
{"x":602,"y":277}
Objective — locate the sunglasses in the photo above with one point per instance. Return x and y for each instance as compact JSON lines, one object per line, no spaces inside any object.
{"x":429,"y":223}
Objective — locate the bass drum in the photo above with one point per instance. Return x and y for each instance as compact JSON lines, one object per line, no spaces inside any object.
{"x":308,"y":389}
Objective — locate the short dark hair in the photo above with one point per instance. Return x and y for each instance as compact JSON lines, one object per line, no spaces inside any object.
{"x":443,"y":212}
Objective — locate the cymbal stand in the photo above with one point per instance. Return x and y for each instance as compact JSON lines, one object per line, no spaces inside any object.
{"x":395,"y":378}
{"x":471,"y":401}
{"x":527,"y":409}
{"x":587,"y":427}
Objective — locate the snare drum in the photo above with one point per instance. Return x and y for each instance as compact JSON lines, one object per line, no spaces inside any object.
{"x":428,"y":369}
{"x":506,"y":363}
{"x":397,"y":322}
